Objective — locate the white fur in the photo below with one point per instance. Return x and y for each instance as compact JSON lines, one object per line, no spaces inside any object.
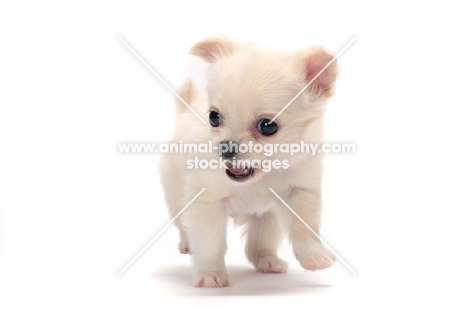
{"x":247,"y":83}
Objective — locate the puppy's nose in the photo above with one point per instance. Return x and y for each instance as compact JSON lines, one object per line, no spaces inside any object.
{"x":228,"y":149}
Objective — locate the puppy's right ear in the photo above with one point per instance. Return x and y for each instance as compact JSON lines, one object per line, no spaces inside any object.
{"x":213,"y":48}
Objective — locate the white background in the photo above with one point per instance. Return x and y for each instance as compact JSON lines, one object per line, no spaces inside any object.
{"x":73,"y":211}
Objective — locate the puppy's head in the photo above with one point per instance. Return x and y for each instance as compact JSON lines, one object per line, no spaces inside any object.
{"x":249,"y":86}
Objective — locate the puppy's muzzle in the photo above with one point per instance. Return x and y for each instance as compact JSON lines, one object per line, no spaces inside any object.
{"x":228,"y":149}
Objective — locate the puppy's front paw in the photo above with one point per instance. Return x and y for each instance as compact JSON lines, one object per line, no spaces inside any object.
{"x":316,"y":259}
{"x":272,"y":264}
{"x":211,"y":279}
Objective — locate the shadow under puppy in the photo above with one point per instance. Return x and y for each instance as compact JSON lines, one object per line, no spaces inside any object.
{"x":247,"y":86}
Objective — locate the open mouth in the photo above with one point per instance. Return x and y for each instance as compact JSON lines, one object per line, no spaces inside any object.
{"x":239,"y":173}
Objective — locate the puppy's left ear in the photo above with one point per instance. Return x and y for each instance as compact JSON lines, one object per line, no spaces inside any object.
{"x":213,"y":48}
{"x":316,"y":59}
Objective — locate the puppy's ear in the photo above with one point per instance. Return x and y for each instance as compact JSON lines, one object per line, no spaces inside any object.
{"x":213,"y":48}
{"x":315,"y":61}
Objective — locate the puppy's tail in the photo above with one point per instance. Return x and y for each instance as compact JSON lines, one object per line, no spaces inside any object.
{"x":187,"y":92}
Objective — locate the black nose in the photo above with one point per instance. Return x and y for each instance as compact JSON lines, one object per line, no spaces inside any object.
{"x":228,"y":149}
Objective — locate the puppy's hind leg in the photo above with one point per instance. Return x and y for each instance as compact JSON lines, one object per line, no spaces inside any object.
{"x":175,"y":205}
{"x":171,"y":177}
{"x":263,"y":237}
{"x":171,"y":184}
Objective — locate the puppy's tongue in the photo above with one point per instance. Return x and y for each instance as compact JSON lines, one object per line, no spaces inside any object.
{"x":237,"y":170}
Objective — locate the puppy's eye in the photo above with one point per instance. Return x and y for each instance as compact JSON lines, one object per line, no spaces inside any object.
{"x":266,"y":128}
{"x":215,"y":119}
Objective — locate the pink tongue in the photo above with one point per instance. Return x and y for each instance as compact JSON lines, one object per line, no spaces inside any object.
{"x":237,"y":170}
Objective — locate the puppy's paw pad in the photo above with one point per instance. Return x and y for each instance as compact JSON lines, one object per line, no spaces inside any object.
{"x":272,"y":264}
{"x":318,"y":259}
{"x":184,"y":247}
{"x":212,"y":279}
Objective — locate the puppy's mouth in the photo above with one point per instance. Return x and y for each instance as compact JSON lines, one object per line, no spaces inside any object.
{"x":239,"y":174}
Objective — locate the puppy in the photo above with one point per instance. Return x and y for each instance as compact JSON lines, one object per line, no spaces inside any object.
{"x":247,"y":86}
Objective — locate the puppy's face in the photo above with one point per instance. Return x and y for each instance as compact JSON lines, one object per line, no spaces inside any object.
{"x":247,"y":88}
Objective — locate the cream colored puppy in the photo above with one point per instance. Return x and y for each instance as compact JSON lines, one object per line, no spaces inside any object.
{"x":247,"y":86}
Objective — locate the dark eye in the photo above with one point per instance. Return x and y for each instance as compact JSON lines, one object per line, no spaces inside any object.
{"x":215,"y":119}
{"x":266,"y":128}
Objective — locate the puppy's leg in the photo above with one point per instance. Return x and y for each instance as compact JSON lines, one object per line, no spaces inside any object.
{"x":263,"y":237}
{"x":175,"y":205}
{"x":184,"y":245}
{"x":171,"y":182}
{"x":306,"y":246}
{"x":206,"y":227}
